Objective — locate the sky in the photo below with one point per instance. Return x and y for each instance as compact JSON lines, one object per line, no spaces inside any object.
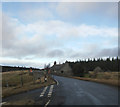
{"x":38,"y":33}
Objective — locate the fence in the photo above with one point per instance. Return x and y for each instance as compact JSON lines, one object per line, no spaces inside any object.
{"x":19,"y":78}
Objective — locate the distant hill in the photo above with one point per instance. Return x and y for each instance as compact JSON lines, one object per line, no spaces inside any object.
{"x":14,"y":68}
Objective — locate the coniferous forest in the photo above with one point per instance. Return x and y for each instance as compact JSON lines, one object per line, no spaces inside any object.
{"x":81,"y":67}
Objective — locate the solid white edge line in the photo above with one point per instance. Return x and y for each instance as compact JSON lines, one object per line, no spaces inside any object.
{"x":57,"y":82}
{"x":47,"y":103}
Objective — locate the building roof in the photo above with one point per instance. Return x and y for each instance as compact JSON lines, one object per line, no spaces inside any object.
{"x":57,"y":67}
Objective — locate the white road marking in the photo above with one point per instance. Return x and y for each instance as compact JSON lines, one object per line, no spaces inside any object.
{"x":47,"y":103}
{"x":57,"y":82}
{"x":50,"y":91}
{"x":3,"y":103}
{"x":94,"y":99}
{"x":43,"y":92}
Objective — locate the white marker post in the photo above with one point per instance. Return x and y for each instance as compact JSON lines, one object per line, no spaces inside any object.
{"x":45,"y":78}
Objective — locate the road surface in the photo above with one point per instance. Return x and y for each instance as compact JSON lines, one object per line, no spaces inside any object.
{"x":71,"y":92}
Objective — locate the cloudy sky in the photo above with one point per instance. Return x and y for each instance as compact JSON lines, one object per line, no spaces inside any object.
{"x":38,"y":33}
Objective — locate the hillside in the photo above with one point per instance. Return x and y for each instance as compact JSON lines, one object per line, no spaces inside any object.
{"x":13,"y":68}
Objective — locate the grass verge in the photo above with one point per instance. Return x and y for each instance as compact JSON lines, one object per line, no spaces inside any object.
{"x":109,"y":78}
{"x":104,"y":81}
{"x":13,"y":79}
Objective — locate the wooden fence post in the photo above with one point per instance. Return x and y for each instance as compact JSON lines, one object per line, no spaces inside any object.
{"x":21,"y":80}
{"x":7,"y":85}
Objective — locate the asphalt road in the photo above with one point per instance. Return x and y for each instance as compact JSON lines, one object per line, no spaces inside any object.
{"x":71,"y":92}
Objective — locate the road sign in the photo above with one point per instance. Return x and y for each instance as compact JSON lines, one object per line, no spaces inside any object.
{"x":31,"y":70}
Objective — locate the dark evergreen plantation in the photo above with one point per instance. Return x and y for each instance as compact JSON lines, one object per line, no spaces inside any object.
{"x":82,"y":67}
{"x":14,"y":68}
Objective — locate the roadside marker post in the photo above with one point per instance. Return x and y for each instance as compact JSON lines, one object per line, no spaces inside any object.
{"x":21,"y":78}
{"x":45,"y":78}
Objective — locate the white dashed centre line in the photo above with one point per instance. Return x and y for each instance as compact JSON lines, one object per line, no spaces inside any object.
{"x":43,"y":92}
{"x":50,"y":91}
{"x":47,"y":103}
{"x":57,"y":82}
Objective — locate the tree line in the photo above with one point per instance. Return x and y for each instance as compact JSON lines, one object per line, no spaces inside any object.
{"x":14,"y":68}
{"x":81,"y":67}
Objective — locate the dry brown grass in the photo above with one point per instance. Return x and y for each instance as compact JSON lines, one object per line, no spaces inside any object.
{"x":110,"y":78}
{"x":27,"y":87}
{"x":104,"y":81}
{"x":21,"y":102}
{"x":14,"y":78}
{"x":105,"y":75}
{"x":14,"y":82}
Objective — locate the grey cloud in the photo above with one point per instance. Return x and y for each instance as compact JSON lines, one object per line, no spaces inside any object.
{"x":55,"y":53}
{"x":37,"y":14}
{"x":71,"y":10}
{"x":75,"y":55}
{"x":13,"y":46}
{"x":21,"y":50}
{"x":80,"y":55}
{"x":21,"y":47}
{"x":26,"y":47}
{"x":112,"y":52}
{"x":108,"y":52}
{"x":8,"y":34}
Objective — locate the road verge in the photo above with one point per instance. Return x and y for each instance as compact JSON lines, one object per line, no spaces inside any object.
{"x":13,"y":85}
{"x":112,"y":82}
{"x":103,"y":81}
